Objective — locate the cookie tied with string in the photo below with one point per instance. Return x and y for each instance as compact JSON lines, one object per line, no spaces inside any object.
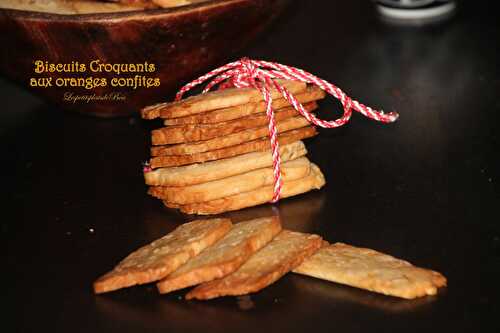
{"x":249,"y":112}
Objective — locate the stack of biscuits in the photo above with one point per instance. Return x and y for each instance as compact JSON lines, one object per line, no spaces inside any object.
{"x":214,"y":154}
{"x":219,"y":258}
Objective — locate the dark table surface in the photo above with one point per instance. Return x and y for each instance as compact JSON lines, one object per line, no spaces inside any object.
{"x":424,"y":189}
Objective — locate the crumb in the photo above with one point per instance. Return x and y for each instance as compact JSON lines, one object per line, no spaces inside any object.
{"x":245,"y":302}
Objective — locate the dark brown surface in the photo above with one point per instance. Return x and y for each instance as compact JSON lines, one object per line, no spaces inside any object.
{"x":180,"y":42}
{"x":424,"y":189}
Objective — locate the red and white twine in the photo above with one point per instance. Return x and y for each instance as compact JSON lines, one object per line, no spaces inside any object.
{"x":260,"y":75}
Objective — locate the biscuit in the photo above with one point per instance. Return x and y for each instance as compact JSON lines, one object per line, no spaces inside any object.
{"x":315,"y":180}
{"x":214,"y":100}
{"x":172,"y":3}
{"x":246,"y":147}
{"x":225,"y":256}
{"x":163,"y":256}
{"x":285,"y":252}
{"x":371,"y":270}
{"x":208,"y":171}
{"x":249,"y":181}
{"x":228,"y":140}
{"x":198,"y":132}
{"x":311,"y":94}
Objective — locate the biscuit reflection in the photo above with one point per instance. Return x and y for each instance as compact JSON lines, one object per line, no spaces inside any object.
{"x":173,"y":313}
{"x":297,"y":213}
{"x":168,"y":312}
{"x":158,"y":220}
{"x":329,"y":291}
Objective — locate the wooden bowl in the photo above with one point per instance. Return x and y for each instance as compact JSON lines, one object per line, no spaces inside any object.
{"x":182,"y":42}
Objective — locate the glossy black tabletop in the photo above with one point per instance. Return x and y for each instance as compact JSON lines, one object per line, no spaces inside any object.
{"x":425,"y":189}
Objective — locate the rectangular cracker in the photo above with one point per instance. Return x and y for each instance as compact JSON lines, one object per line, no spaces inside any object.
{"x":214,"y":100}
{"x":163,"y":256}
{"x":229,"y":186}
{"x":171,"y":3}
{"x":246,"y":147}
{"x":311,"y":94}
{"x":228,"y":140}
{"x":225,"y":256}
{"x":262,"y":195}
{"x":199,"y":132}
{"x":285,"y":252}
{"x":208,"y":171}
{"x":371,"y":270}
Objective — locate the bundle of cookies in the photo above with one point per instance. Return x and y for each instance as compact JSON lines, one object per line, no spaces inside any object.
{"x":214,"y":153}
{"x":223,"y":259}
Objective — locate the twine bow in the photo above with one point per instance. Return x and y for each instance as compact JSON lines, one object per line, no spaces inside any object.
{"x":261,"y":75}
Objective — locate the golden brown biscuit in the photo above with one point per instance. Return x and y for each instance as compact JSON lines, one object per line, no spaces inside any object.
{"x":73,"y":7}
{"x":208,"y":171}
{"x":246,"y":147}
{"x":228,"y":140}
{"x":243,"y":111}
{"x":163,"y":256}
{"x":214,"y":100}
{"x":225,"y":256}
{"x":225,"y":187}
{"x":315,"y":180}
{"x":199,"y":132}
{"x":172,"y":3}
{"x":285,"y":252}
{"x":371,"y":270}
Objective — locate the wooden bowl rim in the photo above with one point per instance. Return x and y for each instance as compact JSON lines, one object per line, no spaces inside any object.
{"x":116,"y":16}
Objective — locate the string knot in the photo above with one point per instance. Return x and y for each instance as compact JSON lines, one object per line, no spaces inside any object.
{"x":248,"y":68}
